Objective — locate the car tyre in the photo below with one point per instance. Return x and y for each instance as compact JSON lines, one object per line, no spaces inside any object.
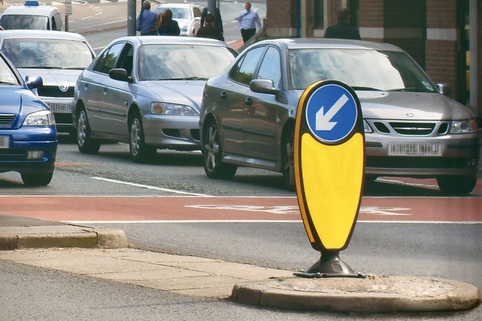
{"x":140,"y":152}
{"x":85,"y":143}
{"x":37,"y":179}
{"x":288,"y":162}
{"x":212,"y":154}
{"x":456,"y":185}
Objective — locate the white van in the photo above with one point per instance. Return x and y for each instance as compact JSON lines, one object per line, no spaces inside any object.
{"x":32,"y":16}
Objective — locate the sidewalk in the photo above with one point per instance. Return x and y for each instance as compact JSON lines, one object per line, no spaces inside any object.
{"x":103,"y":253}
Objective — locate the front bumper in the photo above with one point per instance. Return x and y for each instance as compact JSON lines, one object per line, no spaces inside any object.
{"x":30,"y":150}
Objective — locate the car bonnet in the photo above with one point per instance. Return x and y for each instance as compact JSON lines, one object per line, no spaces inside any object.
{"x":16,"y":99}
{"x":178,"y":91}
{"x":53,"y":77}
{"x":410,"y":106}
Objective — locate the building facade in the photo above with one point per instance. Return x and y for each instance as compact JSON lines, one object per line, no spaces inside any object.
{"x":443,"y":36}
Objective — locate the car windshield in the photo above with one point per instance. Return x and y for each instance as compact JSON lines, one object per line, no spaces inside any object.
{"x":24,"y":22}
{"x":361,"y":69}
{"x":6,"y":74}
{"x":173,"y":62}
{"x":177,"y":13}
{"x":47,"y":53}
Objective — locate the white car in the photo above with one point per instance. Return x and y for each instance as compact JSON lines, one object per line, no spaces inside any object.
{"x":32,"y":16}
{"x":56,"y":56}
{"x":187,"y":15}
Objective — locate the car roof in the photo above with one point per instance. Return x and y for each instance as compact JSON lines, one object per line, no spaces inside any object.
{"x":31,"y":10}
{"x":143,"y":40}
{"x":40,"y":34}
{"x":300,"y":43}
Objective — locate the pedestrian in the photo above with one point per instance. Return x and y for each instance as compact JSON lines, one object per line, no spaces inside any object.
{"x":343,"y":29}
{"x":218,"y":21}
{"x":146,"y":21}
{"x":169,"y":26}
{"x":210,"y":30}
{"x":247,"y":22}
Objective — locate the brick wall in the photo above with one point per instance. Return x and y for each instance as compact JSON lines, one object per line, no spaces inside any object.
{"x":441,"y":46}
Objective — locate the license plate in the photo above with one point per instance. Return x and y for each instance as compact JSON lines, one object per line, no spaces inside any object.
{"x":60,"y":107}
{"x":415,"y":150}
{"x":4,"y":142}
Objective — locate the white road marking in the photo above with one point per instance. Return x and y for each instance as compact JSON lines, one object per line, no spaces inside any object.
{"x":149,"y":187}
{"x":284,"y":210}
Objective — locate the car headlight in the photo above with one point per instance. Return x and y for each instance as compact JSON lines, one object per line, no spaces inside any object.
{"x":163,"y":108}
{"x":463,"y":126}
{"x":40,"y":118}
{"x":367,"y":127}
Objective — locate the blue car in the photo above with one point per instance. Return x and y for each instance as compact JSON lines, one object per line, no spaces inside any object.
{"x":28,"y":138}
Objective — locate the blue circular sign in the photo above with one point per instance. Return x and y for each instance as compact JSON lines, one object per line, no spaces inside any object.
{"x":331,"y":113}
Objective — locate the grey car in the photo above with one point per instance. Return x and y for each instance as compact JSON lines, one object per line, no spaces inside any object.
{"x":58,"y":57}
{"x":146,"y":91}
{"x":411,"y":128}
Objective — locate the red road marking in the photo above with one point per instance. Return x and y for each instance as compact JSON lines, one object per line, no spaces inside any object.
{"x":80,"y":208}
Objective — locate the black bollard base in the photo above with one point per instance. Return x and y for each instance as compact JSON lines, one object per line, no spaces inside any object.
{"x":330,"y":265}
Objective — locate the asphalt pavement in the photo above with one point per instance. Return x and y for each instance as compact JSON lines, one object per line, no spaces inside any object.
{"x":106,"y":253}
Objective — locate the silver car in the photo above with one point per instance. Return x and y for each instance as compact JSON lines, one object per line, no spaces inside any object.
{"x":58,"y":57}
{"x":411,"y":129}
{"x":146,"y":91}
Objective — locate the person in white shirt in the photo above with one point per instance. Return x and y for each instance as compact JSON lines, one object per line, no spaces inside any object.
{"x":247,"y":22}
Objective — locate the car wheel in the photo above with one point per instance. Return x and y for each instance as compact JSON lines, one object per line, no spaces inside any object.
{"x":456,"y":185}
{"x":212,"y":153}
{"x":37,"y":179}
{"x":288,"y":163}
{"x":140,"y":152}
{"x":85,"y":143}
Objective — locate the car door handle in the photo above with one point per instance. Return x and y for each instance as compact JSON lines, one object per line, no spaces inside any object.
{"x":223,"y":95}
{"x":248,"y":101}
{"x":105,"y":90}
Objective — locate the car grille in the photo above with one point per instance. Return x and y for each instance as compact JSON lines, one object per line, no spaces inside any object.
{"x":411,"y":128}
{"x":63,"y":118}
{"x":6,"y":119}
{"x":54,"y":91}
{"x":13,"y":155}
{"x":177,"y":133}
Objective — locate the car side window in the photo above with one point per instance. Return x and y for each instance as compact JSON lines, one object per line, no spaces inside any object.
{"x":126,"y":59}
{"x":271,"y":67}
{"x":107,"y":61}
{"x":244,"y":70}
{"x":197,"y":12}
{"x":6,"y":74}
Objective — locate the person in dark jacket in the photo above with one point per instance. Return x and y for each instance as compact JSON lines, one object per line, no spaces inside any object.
{"x":218,"y":21}
{"x":210,"y":30}
{"x":169,"y":26}
{"x":146,"y":21}
{"x":343,"y":29}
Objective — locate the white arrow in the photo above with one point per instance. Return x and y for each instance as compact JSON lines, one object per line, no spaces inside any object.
{"x":323,"y":121}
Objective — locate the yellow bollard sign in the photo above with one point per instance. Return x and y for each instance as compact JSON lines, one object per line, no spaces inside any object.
{"x":329,"y":157}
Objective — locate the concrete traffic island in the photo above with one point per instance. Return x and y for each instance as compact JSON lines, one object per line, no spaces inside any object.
{"x":374,"y":294}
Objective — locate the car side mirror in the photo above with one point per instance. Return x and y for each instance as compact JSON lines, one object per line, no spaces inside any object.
{"x":119,"y":74}
{"x":264,"y":86}
{"x":33,"y":82}
{"x":444,"y":89}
